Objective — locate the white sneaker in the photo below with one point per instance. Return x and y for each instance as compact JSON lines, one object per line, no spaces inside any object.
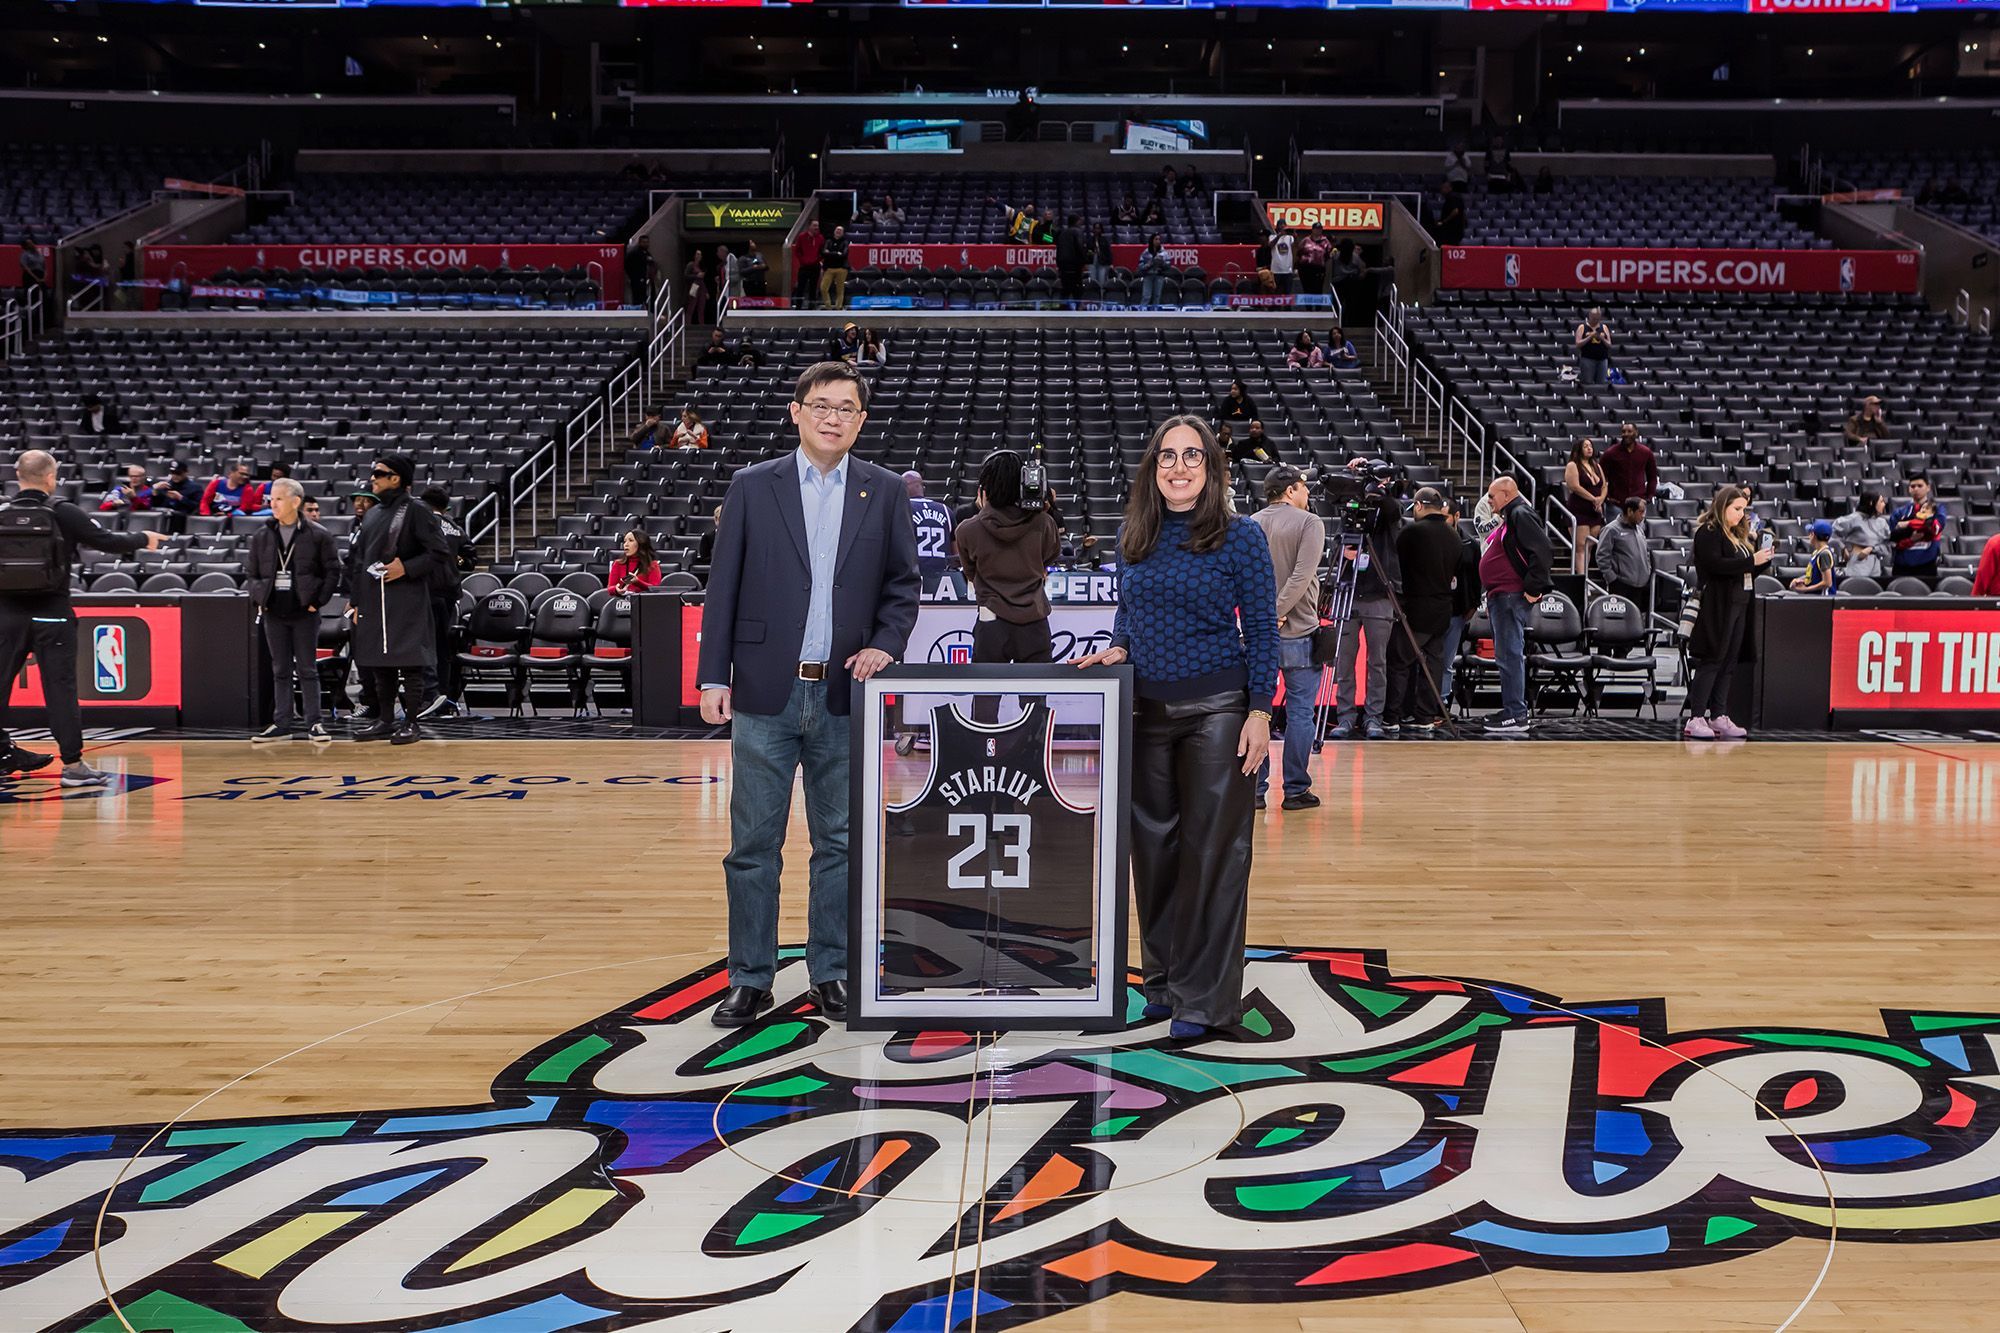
{"x":80,"y":774}
{"x":318,"y":735}
{"x":274,"y":732}
{"x":1698,"y":729}
{"x":1727,"y":730}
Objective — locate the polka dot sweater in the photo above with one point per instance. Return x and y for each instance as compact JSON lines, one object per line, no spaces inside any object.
{"x":1177,"y":616}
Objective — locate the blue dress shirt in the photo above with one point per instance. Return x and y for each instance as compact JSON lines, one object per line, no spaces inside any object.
{"x":823,"y":495}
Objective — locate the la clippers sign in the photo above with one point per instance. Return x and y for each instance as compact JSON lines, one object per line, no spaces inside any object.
{"x":1562,"y":268}
{"x":1916,"y":659}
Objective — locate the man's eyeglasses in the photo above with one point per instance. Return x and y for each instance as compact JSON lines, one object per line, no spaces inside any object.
{"x":1190,"y":458}
{"x":381,"y":472}
{"x":824,"y":411}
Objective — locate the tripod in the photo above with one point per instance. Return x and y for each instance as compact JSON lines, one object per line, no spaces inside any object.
{"x":1356,"y":544}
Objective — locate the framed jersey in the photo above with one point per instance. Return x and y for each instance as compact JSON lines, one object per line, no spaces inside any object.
{"x":988,"y":848}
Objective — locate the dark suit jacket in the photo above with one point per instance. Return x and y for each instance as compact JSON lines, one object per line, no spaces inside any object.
{"x":760,"y":582}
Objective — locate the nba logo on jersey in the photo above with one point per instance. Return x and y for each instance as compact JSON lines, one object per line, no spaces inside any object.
{"x":108,"y":653}
{"x":992,"y":747}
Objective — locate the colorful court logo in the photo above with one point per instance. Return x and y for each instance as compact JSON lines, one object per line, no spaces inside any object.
{"x":1368,"y":1132}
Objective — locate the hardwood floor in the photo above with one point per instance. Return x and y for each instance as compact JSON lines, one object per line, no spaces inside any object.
{"x":462,"y":911}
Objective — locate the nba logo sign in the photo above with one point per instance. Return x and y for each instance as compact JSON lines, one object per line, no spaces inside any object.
{"x":1510,"y":269}
{"x":1847,"y":273}
{"x":107,"y":644}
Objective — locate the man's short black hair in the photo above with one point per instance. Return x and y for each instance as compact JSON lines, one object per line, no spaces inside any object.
{"x":1428,"y":497}
{"x":438,"y":498}
{"x":831,"y":372}
{"x":1633,"y":502}
{"x":1279,"y":480}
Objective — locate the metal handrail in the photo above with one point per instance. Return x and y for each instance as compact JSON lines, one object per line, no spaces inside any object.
{"x":473,"y":529}
{"x":13,"y":330}
{"x":577,"y":434}
{"x":1426,"y":402}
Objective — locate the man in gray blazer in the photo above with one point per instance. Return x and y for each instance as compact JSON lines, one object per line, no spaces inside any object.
{"x":813,"y":583}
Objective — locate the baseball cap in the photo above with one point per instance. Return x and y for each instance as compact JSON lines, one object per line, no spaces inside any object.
{"x":1822,"y":527}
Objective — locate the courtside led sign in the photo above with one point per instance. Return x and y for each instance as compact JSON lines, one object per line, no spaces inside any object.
{"x":1885,"y":659}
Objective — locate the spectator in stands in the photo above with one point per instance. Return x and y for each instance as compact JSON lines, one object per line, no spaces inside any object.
{"x":1022,"y":223}
{"x":1305,"y":354}
{"x":697,"y":289}
{"x":1313,"y":251}
{"x":98,"y":417}
{"x":637,"y":568}
{"x":1072,"y":254}
{"x":233,"y":492}
{"x":1202,"y":720}
{"x":1257,"y":445}
{"x":397,"y":552}
{"x":1346,"y":275}
{"x":1128,"y":212}
{"x":704,"y":550}
{"x":1584,"y":495}
{"x":785,"y":632}
{"x":1818,"y":578}
{"x":1501,"y":175}
{"x":34,"y":268}
{"x":846,"y":345}
{"x":1225,"y":440}
{"x":1986,"y":580}
{"x":719,"y":352}
{"x":1429,"y":552}
{"x":1101,"y":260}
{"x":1236,"y":405}
{"x":1629,"y":467}
{"x":1465,"y":592}
{"x":134,"y":495}
{"x":1457,"y":168}
{"x":1192,"y":185}
{"x":1006,"y":551}
{"x":1917,"y":532}
{"x":178,"y":494}
{"x":874,"y":351}
{"x":1593,"y":348}
{"x":1370,"y":626}
{"x":1022,"y":119}
{"x":359,"y":503}
{"x":1340,"y":353}
{"x":935,"y":527}
{"x":1624,"y":560}
{"x":1154,"y":216}
{"x":291,"y":568}
{"x":833,"y":271}
{"x":1863,"y":536}
{"x":806,"y":256}
{"x":756,"y":271}
{"x":652,"y":433}
{"x":690,"y":433}
{"x":1297,"y":537}
{"x":1514,"y":570}
{"x":1284,"y":257}
{"x":1727,"y":559}
{"x":1545,"y":182}
{"x":1451,"y":215}
{"x":1154,"y":270}
{"x":311,"y":510}
{"x":1168,"y":186}
{"x":88,"y":268}
{"x":1867,"y":423}
{"x":891,"y":213}
{"x":441,"y":681}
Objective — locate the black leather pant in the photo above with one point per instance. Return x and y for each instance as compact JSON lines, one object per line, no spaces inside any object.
{"x":1192,"y":808}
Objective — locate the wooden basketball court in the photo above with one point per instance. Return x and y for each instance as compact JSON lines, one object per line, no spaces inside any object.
{"x":1546,"y":1036}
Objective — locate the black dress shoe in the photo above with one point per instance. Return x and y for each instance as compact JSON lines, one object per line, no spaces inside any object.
{"x":832,"y":997}
{"x":1305,"y":800}
{"x":740,"y":1006}
{"x":407,"y":734}
{"x":375,"y":730}
{"x":17,"y":760}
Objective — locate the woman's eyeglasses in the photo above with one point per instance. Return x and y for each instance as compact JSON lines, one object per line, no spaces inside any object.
{"x":1189,"y":458}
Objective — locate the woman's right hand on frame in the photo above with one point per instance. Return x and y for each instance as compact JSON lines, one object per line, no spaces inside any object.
{"x":1108,"y":657}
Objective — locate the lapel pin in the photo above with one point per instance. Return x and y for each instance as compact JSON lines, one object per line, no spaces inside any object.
{"x":864,"y":495}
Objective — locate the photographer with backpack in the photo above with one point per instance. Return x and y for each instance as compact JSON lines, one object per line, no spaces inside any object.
{"x":39,"y":535}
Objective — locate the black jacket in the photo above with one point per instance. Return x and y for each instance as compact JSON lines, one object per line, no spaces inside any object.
{"x":394,"y":628}
{"x":77,"y":529}
{"x":1720,"y":566}
{"x":1527,"y":546}
{"x":833,"y":254}
{"x":1430,"y":552}
{"x":315,"y":568}
{"x":1072,"y":248}
{"x":1465,"y":596}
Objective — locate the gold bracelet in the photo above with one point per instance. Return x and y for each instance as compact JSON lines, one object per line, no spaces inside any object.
{"x":1258,"y":712}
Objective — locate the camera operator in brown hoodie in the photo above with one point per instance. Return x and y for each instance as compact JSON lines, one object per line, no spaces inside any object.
{"x":1006,"y":550}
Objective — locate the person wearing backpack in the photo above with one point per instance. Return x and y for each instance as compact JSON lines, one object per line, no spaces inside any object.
{"x":39,"y":535}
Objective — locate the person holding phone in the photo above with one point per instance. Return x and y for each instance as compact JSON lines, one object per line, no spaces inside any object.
{"x":1727,"y":559}
{"x":1201,"y":721}
{"x":1917,"y":533}
{"x":1593,"y":348}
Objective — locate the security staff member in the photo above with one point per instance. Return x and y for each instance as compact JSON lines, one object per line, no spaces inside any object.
{"x":38,"y":539}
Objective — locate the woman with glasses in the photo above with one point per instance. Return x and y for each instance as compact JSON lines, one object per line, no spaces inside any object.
{"x":1202,"y":724}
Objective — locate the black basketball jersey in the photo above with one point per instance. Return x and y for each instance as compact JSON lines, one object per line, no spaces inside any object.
{"x":933,"y":522}
{"x":989,"y":873}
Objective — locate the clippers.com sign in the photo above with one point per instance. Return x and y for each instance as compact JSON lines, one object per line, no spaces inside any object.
{"x":1564,"y":268}
{"x":1916,"y":659}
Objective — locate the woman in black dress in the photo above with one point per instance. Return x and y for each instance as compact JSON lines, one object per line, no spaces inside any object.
{"x":1584,"y":493}
{"x":1726,"y":559}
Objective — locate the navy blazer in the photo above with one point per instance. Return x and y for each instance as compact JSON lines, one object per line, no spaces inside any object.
{"x":760,"y":582}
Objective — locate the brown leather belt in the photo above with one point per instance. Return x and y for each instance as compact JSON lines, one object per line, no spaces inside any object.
{"x":812,"y":671}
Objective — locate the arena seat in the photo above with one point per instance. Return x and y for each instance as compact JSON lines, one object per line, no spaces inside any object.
{"x":964,"y":208}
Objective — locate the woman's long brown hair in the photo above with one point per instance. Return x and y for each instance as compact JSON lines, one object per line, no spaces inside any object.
{"x":1208,"y":524}
{"x":1712,"y":517}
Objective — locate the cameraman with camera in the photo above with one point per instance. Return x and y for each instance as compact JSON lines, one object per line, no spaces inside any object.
{"x":1369,"y":514}
{"x":1006,"y":549}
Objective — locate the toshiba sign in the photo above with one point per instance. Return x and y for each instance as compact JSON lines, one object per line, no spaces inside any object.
{"x":1916,"y":659}
{"x":1333,"y":214}
{"x":1821,"y":6}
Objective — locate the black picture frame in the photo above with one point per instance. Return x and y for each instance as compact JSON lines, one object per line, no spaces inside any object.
{"x":1102,"y":1012}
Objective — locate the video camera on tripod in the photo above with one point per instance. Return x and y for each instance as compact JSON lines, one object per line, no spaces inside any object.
{"x":1361,"y":496}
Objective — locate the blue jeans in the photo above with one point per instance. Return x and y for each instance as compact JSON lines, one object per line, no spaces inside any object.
{"x":1454,"y":635}
{"x":1149,"y":288}
{"x":1301,"y":695}
{"x":765,"y":752}
{"x":1509,"y":611}
{"x":1590,"y":371}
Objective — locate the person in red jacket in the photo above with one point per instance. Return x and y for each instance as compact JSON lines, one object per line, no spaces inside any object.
{"x":638,"y":569}
{"x":233,"y":492}
{"x":1986,"y":583}
{"x":805,"y":255}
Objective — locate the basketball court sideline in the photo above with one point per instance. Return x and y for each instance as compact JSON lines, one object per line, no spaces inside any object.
{"x":1545,"y":1037}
